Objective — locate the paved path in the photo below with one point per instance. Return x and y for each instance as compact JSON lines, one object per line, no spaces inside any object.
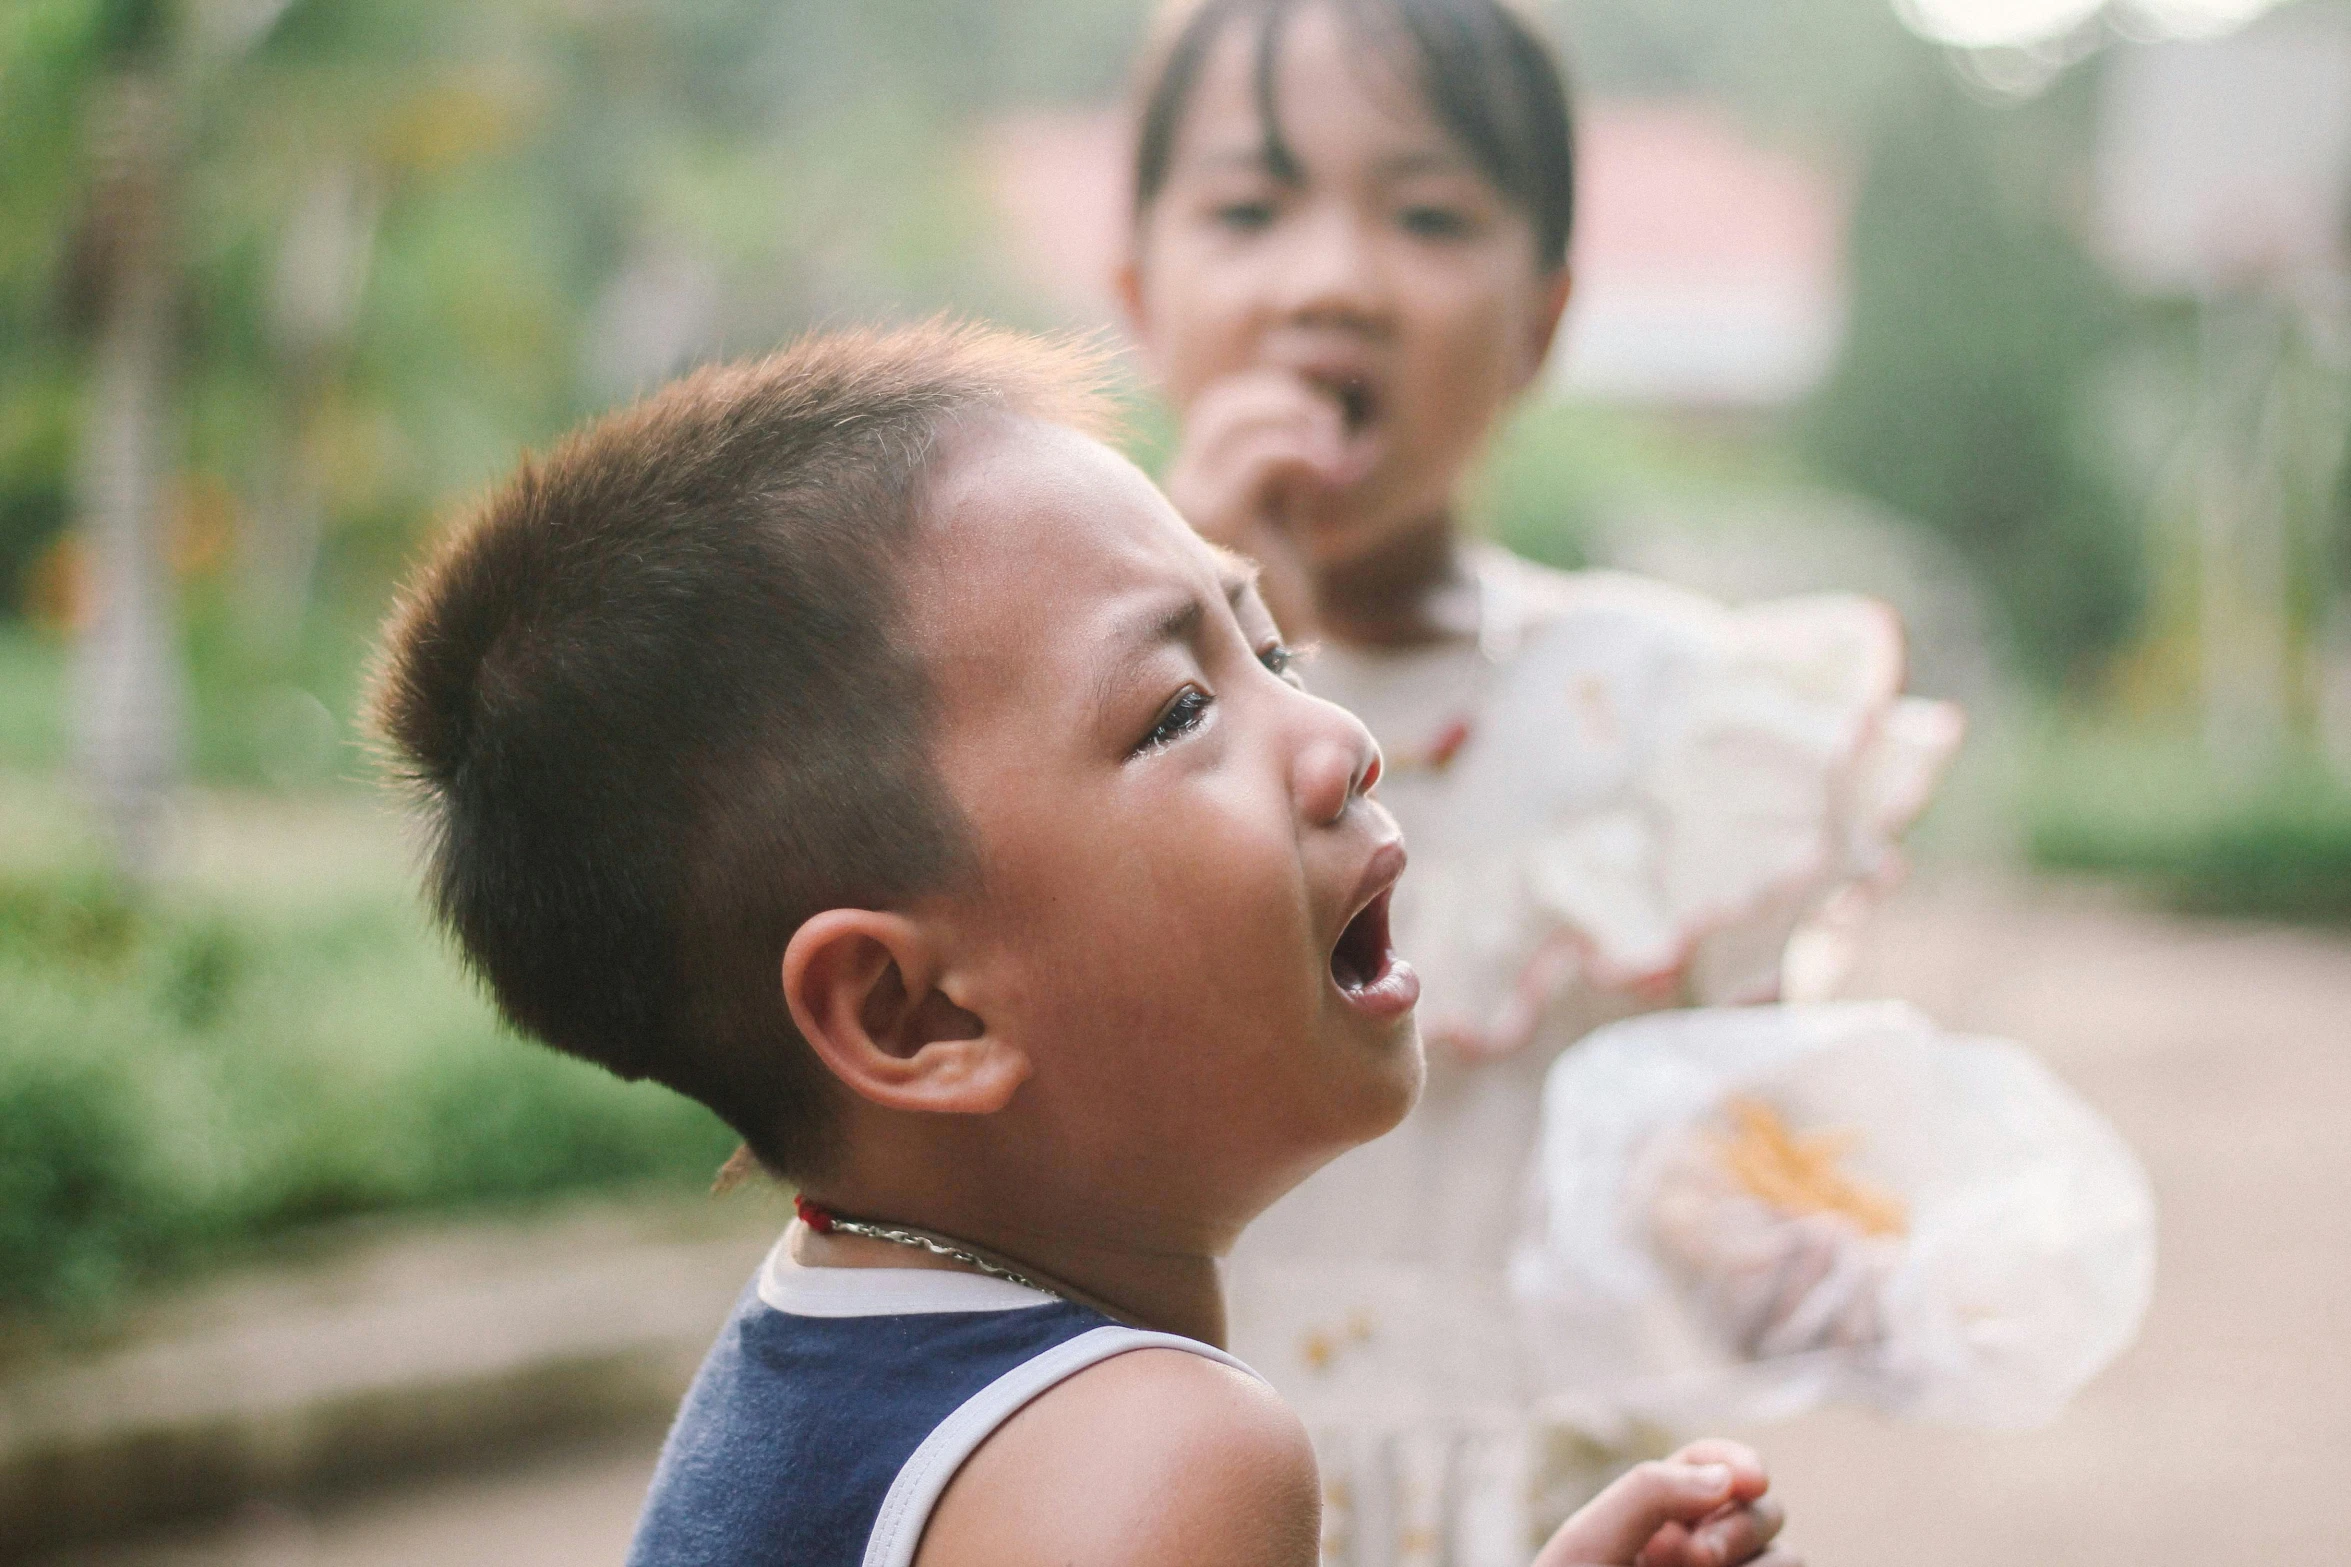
{"x":2222,"y":1051}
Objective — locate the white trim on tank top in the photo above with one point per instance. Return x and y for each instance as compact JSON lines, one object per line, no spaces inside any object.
{"x":884,"y":1292}
{"x":897,"y":1529}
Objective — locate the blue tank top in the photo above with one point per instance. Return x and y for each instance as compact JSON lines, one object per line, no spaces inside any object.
{"x":838,"y":1403}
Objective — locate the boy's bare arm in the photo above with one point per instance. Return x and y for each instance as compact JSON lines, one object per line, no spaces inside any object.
{"x":1152,"y":1457}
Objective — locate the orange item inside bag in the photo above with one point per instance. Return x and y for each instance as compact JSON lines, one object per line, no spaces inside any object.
{"x":1799,"y":1174}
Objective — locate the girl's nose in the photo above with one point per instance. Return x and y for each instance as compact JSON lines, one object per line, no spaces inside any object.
{"x":1336,"y":766}
{"x":1333,"y":275}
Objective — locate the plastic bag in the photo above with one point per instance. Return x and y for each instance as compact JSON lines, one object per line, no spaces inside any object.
{"x":1739,"y":1213}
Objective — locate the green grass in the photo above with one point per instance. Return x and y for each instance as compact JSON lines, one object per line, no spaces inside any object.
{"x":2150,"y":808}
{"x":184,"y":1078}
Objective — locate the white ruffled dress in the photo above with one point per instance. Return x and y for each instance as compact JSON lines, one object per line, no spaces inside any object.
{"x":1620,"y":797}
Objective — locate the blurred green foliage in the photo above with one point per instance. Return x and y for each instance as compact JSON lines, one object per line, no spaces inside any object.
{"x":1812,"y":70}
{"x":2148,"y":806}
{"x":179,"y":1082}
{"x":1556,"y":470}
{"x":1977,"y":325}
{"x":540,"y":207}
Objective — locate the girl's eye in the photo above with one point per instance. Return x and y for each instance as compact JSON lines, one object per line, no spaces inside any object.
{"x":1179,"y":718}
{"x":1281,"y":658}
{"x":1244,"y":217}
{"x":1435,"y":222}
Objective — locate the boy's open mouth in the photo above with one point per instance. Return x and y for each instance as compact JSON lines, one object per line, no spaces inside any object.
{"x":1367,"y":969}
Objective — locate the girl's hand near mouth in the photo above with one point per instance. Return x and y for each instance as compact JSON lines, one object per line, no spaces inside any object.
{"x":1263,"y":449}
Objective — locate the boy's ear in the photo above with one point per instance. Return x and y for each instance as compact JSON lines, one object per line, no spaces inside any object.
{"x":1545,"y":327}
{"x":865,"y":991}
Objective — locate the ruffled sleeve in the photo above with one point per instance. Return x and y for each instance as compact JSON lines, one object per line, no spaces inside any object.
{"x":1656,"y":793}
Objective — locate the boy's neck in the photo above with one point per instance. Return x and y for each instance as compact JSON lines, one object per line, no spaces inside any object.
{"x":1414,"y":589}
{"x":1172,"y":1291}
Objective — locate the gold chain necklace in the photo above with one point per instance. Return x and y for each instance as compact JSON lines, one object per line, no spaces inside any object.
{"x":825,"y":1222}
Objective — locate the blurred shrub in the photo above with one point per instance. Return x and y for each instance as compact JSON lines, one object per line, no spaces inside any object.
{"x":81,"y":1207}
{"x":1977,"y":324}
{"x":1541,"y":482}
{"x":1558,"y":471}
{"x":32,"y":698}
{"x":2150,"y":810}
{"x":177,"y":1082}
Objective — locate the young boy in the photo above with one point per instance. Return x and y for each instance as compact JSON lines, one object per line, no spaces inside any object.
{"x":851,"y":741}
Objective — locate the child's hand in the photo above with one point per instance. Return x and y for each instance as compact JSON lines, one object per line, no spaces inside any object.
{"x":1703,"y":1507}
{"x":1258,"y":449}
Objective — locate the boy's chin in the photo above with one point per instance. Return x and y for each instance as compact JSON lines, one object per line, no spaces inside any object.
{"x":1412,"y":1062}
{"x":1393,"y":1077}
{"x":1373,"y":1100}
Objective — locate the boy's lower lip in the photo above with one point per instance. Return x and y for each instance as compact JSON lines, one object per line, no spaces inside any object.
{"x":1391,"y":994}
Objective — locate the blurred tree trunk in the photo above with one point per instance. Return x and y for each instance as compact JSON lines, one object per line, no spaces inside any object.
{"x":130,"y":690}
{"x":320,"y":273}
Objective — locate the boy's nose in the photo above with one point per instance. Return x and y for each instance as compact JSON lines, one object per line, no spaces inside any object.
{"x":1335,"y":768}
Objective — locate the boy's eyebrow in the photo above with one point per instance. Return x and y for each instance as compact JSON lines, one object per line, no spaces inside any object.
{"x":1143,"y":635}
{"x":1151,"y":629}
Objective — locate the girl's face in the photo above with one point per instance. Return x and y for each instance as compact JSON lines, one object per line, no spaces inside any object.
{"x":1388,"y":274}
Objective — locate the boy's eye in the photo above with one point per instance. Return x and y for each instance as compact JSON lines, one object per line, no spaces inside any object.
{"x":1431,"y":222}
{"x":1180,"y":717}
{"x":1243,"y":217}
{"x":1281,"y":658}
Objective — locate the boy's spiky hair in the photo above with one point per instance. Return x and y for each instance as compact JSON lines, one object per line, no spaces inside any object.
{"x":655,"y":707}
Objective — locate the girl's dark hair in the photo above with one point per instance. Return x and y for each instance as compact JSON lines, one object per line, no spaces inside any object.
{"x":1490,"y":79}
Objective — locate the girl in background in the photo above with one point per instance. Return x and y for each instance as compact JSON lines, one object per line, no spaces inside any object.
{"x":1350,"y":256}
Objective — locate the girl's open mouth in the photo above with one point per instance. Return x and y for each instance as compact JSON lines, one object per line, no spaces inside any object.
{"x":1357,"y":397}
{"x":1371,"y":976}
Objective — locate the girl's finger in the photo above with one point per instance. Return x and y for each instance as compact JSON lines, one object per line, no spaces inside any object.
{"x":1748,"y":1477}
{"x":1227,"y":497}
{"x":1260,"y":395}
{"x":1321,"y":439}
{"x":1736,"y":1536}
{"x":1265,"y":475}
{"x":1668,"y":1547}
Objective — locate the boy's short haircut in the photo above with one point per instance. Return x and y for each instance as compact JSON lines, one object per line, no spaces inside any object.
{"x":1490,"y":77}
{"x":655,"y":701}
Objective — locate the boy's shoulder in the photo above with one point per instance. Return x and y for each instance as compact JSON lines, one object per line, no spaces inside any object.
{"x":902,"y":1415}
{"x":1155,"y":1455}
